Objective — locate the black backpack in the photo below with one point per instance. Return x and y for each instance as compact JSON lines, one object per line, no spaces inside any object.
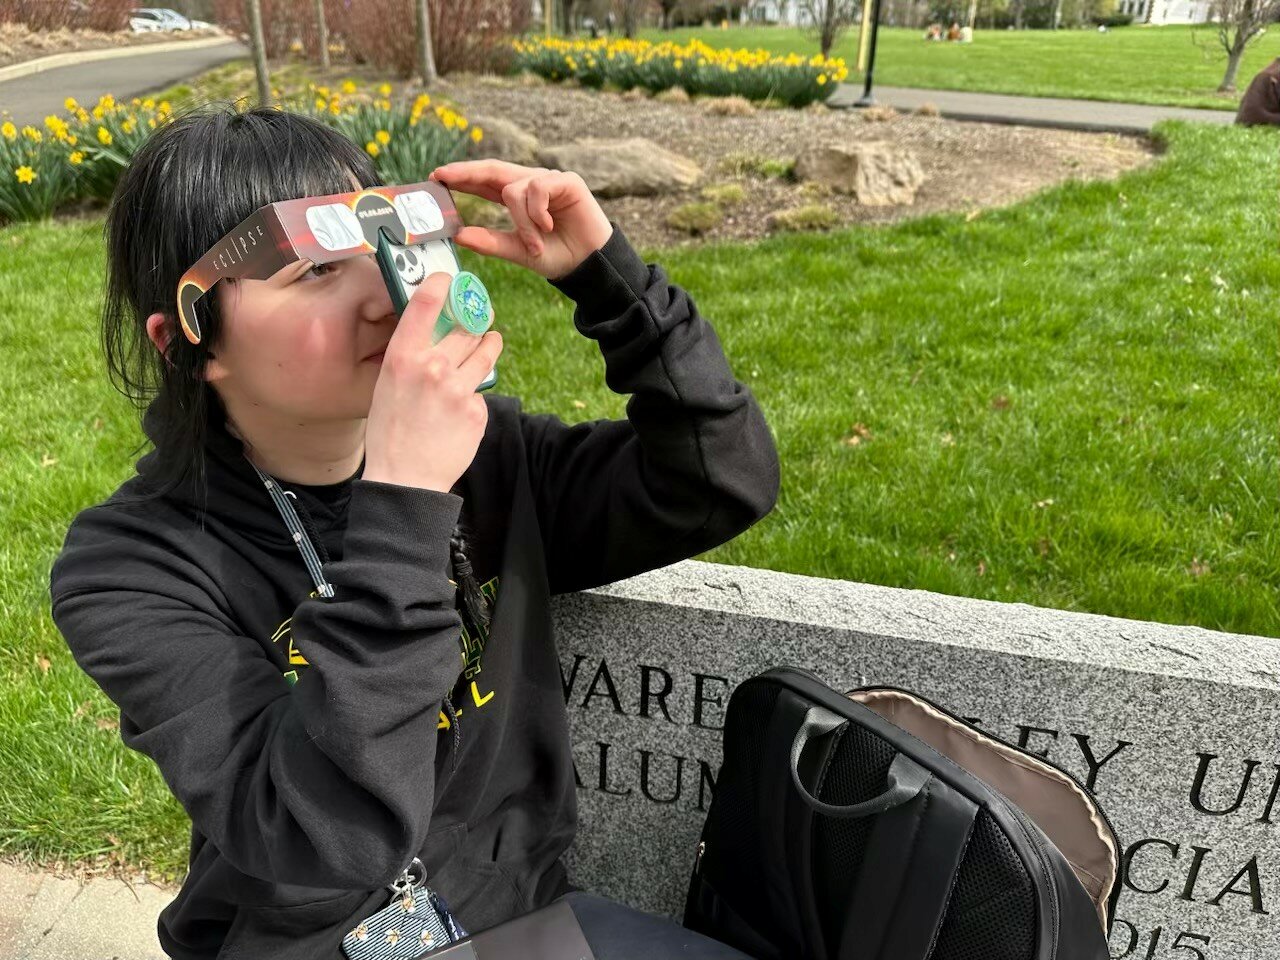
{"x":878,"y":826}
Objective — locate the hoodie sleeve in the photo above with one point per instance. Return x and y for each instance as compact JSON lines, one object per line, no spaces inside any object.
{"x":329,"y":782}
{"x":694,"y":463}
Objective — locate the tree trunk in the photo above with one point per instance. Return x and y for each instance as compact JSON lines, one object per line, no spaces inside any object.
{"x":426,"y":59}
{"x":323,"y":29}
{"x":1228,"y":84}
{"x":254,"y":9}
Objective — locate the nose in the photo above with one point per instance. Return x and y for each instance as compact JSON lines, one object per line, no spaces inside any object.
{"x":375,"y":301}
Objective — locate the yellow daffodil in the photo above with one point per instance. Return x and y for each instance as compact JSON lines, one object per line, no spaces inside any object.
{"x":82,"y":115}
{"x":385,"y":89}
{"x":320,"y":103}
{"x":383,"y":137}
{"x":71,"y":105}
{"x":348,"y":86}
{"x":477,"y":134}
{"x":151,"y":122}
{"x":164,"y":108}
{"x":323,"y":91}
{"x":148,"y":104}
{"x":424,"y":100}
{"x":9,"y":131}
{"x":25,"y":174}
{"x":822,"y":78}
{"x":104,"y":136}
{"x":128,"y":125}
{"x":98,"y":112}
{"x":372,"y":148}
{"x":71,"y":139}
{"x":76,"y":157}
{"x":335,"y":108}
{"x":106,"y":101}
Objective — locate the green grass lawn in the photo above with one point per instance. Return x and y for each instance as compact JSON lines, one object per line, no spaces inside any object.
{"x":1070,"y":402}
{"x":1173,"y":65}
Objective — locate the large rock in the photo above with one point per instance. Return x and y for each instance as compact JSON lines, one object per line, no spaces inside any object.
{"x":502,"y":139}
{"x":617,"y":168}
{"x":878,"y":174}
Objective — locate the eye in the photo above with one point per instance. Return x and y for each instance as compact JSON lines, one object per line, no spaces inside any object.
{"x":413,"y":261}
{"x":320,"y":269}
{"x":399,"y":261}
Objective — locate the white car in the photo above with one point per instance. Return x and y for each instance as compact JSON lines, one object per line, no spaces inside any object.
{"x":163,"y":18}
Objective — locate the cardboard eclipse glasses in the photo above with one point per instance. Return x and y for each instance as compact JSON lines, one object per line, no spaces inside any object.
{"x":321,"y":230}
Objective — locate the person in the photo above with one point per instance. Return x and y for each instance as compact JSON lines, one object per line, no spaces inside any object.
{"x":320,"y":739}
{"x":934,"y":32}
{"x":1260,"y":104}
{"x":953,"y":32}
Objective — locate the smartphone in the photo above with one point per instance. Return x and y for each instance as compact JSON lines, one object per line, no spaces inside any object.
{"x":405,"y":266}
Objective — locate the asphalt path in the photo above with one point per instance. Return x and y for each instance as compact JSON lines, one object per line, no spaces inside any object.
{"x":31,"y":98}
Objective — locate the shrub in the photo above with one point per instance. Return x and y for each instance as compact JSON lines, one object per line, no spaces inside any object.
{"x":743,"y":164}
{"x":695,"y":218}
{"x":813,"y":216}
{"x":465,"y":34}
{"x":724,"y":194}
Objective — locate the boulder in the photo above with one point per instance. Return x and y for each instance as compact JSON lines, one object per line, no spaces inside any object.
{"x":878,"y":174}
{"x":502,"y":139}
{"x":616,"y":168}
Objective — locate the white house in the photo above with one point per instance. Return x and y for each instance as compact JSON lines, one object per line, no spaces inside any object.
{"x":790,"y":12}
{"x":1165,"y":11}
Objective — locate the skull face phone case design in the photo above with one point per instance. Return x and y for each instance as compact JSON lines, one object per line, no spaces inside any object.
{"x":467,"y":304}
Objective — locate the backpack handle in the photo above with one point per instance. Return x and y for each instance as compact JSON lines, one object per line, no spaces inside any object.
{"x":906,"y":777}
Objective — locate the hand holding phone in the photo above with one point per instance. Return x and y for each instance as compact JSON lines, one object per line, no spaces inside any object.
{"x":466,"y":302}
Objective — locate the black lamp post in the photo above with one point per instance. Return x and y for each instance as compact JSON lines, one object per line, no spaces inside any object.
{"x":867,"y":100}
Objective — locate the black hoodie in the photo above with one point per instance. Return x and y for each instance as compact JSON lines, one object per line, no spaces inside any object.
{"x":307,"y":737}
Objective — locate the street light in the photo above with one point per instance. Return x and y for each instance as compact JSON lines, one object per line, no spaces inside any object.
{"x":867,"y":100}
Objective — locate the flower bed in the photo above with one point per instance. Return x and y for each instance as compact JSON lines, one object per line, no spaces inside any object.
{"x":695,"y":67}
{"x":82,"y":154}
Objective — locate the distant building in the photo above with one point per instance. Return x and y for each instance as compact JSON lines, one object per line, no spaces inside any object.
{"x":789,"y":12}
{"x":1165,"y":11}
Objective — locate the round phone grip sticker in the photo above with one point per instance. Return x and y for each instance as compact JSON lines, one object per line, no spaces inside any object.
{"x":468,"y":303}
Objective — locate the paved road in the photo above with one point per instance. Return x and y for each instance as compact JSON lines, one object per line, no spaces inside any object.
{"x":32,"y":98}
{"x":1031,"y":111}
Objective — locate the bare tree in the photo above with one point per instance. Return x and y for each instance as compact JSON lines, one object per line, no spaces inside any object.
{"x":828,"y":19}
{"x":426,"y":59}
{"x":1239,"y":23}
{"x":253,"y":8}
{"x":322,"y":29}
{"x":630,"y":11}
{"x":668,"y":7}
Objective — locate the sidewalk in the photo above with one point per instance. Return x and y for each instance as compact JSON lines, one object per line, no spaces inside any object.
{"x":43,"y":917}
{"x":33,"y":97}
{"x":1092,"y":115}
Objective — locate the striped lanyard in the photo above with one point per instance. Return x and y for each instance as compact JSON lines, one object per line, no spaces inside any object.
{"x":290,"y":516}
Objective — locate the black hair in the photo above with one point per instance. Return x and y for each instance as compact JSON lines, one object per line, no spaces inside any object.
{"x":194,"y":179}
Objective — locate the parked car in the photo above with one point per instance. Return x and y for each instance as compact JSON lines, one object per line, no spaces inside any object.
{"x":164,"y":18}
{"x":141,"y":21}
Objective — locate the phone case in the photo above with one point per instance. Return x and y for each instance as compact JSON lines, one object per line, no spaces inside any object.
{"x":404,"y":266}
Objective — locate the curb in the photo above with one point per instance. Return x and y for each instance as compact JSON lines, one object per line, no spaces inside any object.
{"x":1020,"y":121}
{"x":28,"y":67}
{"x":46,"y":917}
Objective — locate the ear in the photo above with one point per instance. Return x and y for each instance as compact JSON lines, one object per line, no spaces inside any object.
{"x":158,"y":334}
{"x":159,"y":331}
